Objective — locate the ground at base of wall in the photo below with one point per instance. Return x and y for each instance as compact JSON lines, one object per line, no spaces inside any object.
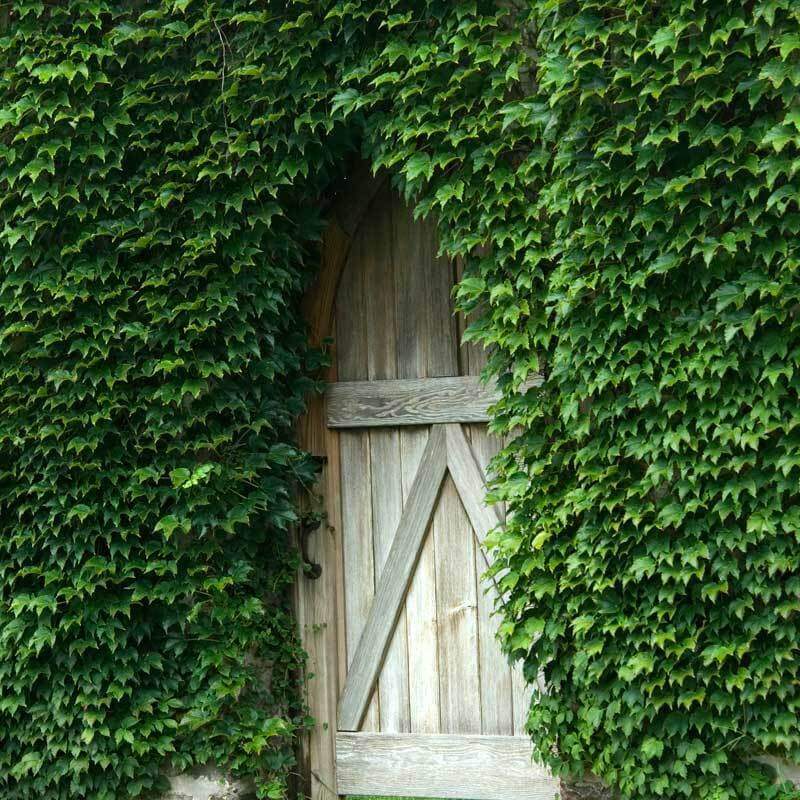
{"x":589,"y":788}
{"x":208,"y":784}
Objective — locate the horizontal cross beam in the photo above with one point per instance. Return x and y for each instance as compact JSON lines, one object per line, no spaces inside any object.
{"x":414,"y":401}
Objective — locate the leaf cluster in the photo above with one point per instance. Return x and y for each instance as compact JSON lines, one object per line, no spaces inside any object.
{"x":154,"y":240}
{"x":619,"y":180}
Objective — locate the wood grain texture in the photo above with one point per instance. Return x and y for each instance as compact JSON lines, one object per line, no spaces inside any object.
{"x":471,"y":484}
{"x":355,"y":464}
{"x":442,"y":326}
{"x":350,"y":210}
{"x":359,"y":566}
{"x":414,"y":401}
{"x":421,"y":622}
{"x":477,"y":767}
{"x":384,"y":443}
{"x":411,"y":292}
{"x":412,"y":320}
{"x":456,"y":608}
{"x":392,"y":588}
{"x":387,"y":509}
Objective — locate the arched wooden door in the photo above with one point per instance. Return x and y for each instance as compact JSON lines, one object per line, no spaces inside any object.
{"x":426,"y":704}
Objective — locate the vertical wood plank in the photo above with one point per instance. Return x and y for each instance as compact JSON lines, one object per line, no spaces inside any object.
{"x":412,"y":358}
{"x":456,"y":599}
{"x":359,"y":569}
{"x":356,"y":480}
{"x":420,"y":608}
{"x":387,"y":488}
{"x":412,"y":315}
{"x":319,"y":604}
{"x":379,"y":281}
{"x":352,"y":358}
{"x":496,"y":686}
{"x":442,"y":324}
{"x":387,"y":500}
{"x":504,"y":695}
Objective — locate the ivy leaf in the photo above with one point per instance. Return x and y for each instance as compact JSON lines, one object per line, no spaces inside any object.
{"x":418,"y":165}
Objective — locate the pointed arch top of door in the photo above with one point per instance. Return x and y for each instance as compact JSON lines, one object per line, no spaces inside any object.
{"x":349,"y":210}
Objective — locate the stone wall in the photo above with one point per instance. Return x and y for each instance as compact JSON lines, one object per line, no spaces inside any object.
{"x":208,"y":784}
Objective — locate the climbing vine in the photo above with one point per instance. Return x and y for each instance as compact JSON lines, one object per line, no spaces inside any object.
{"x":619,"y":179}
{"x":154,"y":240}
{"x":653,"y":561}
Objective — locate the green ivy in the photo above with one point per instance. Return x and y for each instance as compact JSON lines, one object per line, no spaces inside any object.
{"x":154,"y":239}
{"x":653,"y":567}
{"x":619,"y":180}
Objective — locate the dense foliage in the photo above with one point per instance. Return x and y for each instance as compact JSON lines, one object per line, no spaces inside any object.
{"x":635,"y":199}
{"x":619,"y":180}
{"x":152,"y":246}
{"x":654,"y":558}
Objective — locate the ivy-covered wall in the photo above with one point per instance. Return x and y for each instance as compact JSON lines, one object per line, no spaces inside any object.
{"x":155,"y":234}
{"x":620,"y":180}
{"x":654,"y":549}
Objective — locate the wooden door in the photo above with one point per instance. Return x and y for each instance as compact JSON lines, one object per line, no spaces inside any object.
{"x":427,"y":704}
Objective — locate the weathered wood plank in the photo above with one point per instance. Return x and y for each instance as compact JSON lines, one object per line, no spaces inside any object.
{"x":387,"y":509}
{"x":394,"y":582}
{"x":470,"y":483}
{"x":355,"y":468}
{"x":413,"y":319}
{"x":411,"y":401}
{"x":496,"y":694}
{"x":456,"y":610}
{"x":478,"y":767}
{"x":351,"y":209}
{"x":380,"y":291}
{"x":442,"y":325}
{"x":350,"y":318}
{"x":359,"y":566}
{"x":412,"y":323}
{"x":420,"y":607}
{"x":384,"y":443}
